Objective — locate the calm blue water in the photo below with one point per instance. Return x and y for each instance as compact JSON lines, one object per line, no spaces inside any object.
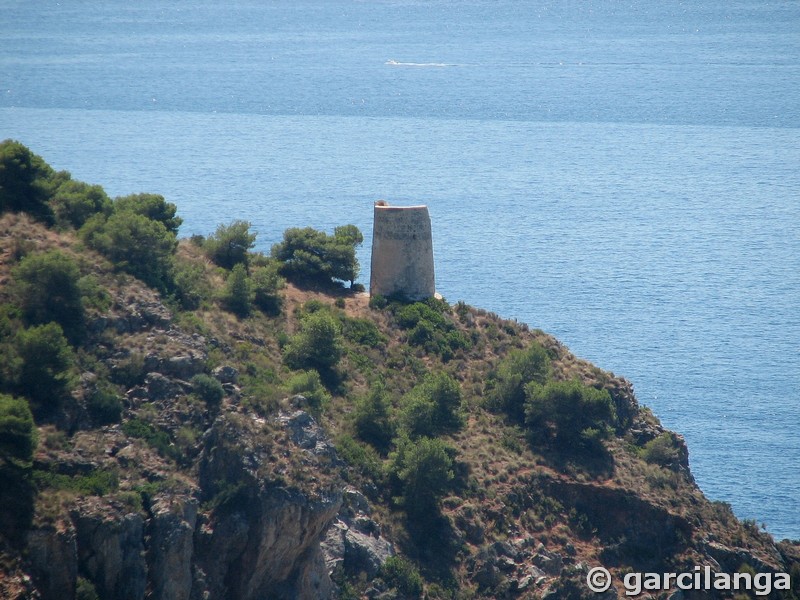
{"x":625,"y":175}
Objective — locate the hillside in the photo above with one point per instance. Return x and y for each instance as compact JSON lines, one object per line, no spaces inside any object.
{"x":186,"y":419}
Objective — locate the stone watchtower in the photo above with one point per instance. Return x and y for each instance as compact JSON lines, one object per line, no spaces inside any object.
{"x":402,"y":252}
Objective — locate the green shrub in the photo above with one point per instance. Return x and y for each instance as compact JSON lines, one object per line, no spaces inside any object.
{"x":662,"y":450}
{"x":25,"y":182}
{"x":568,"y":414}
{"x":520,"y":368}
{"x":238,"y":293}
{"x":402,"y":575}
{"x":423,"y":333}
{"x":267,"y":284}
{"x":17,"y":432}
{"x":135,"y":244}
{"x":424,"y":469}
{"x":94,"y":483}
{"x":318,"y":344}
{"x":47,"y":289}
{"x":372,"y":418}
{"x":229,"y":244}
{"x":378,"y":302}
{"x":152,"y":206}
{"x":417,"y":416}
{"x":185,"y":439}
{"x":363,"y":332}
{"x":155,"y":438}
{"x":208,"y":389}
{"x":191,"y":285}
{"x":104,"y":406}
{"x":312,"y":306}
{"x":94,"y":294}
{"x":74,"y":202}
{"x":410,"y":315}
{"x":229,"y":497}
{"x":360,"y":456}
{"x":309,"y":385}
{"x":47,"y":364}
{"x":432,"y":407}
{"x":85,"y":590}
{"x":431,"y":328}
{"x":309,"y":255}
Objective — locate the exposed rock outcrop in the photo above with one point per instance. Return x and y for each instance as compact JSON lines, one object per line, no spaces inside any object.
{"x":258,"y":537}
{"x":111,"y":550}
{"x":53,"y":555}
{"x":263,"y":538}
{"x":354,"y":543}
{"x":170,"y":543}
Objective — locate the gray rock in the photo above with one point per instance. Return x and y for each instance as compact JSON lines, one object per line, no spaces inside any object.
{"x":507,"y":564}
{"x":111,"y":553}
{"x":184,"y":367}
{"x":160,"y":387}
{"x":549,"y":562}
{"x":487,"y":575}
{"x":365,"y":553}
{"x":268,"y":547}
{"x":505,"y":549}
{"x":121,"y":324}
{"x":524,"y":582}
{"x":53,"y":556}
{"x":171,"y":546}
{"x":354,"y":543}
{"x":226,"y":374}
{"x":306,"y":433}
{"x":267,"y":543}
{"x":231,"y":390}
{"x":98,"y":325}
{"x":154,"y":314}
{"x":88,"y":378}
{"x":152,"y":362}
{"x":332,"y":547}
{"x":312,"y":580}
{"x":356,"y":501}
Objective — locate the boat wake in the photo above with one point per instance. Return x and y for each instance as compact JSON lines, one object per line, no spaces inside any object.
{"x":394,"y":63}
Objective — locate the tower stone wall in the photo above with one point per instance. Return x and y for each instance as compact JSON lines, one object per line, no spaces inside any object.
{"x":402,"y":252}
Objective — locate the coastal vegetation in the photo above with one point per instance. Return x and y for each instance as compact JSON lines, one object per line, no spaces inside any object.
{"x":186,"y":400}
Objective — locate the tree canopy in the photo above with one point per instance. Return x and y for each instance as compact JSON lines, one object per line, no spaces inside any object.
{"x":46,"y":370}
{"x":74,"y":202}
{"x":25,"y":181}
{"x":17,"y":431}
{"x":309,"y":255}
{"x":425,"y":470}
{"x":520,"y":368}
{"x":432,"y":407}
{"x":372,"y":418}
{"x":135,"y":244}
{"x":318,"y":344}
{"x":568,"y":413}
{"x":229,"y":244}
{"x":152,"y":206}
{"x":47,"y":289}
{"x":238,"y":291}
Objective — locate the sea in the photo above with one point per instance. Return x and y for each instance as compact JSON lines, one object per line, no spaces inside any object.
{"x":622,"y":174}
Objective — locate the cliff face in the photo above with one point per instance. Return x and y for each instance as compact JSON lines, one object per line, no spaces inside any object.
{"x":269,"y":493}
{"x":262,"y":538}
